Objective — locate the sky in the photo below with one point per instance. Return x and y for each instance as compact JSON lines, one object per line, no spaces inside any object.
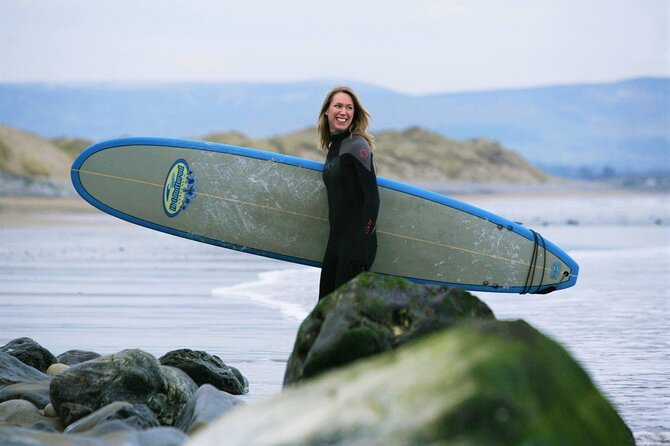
{"x":410,"y":46}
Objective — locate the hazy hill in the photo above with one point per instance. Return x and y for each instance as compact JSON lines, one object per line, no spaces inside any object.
{"x":413,"y":154}
{"x":622,"y":126}
{"x":28,"y":155}
{"x":71,"y":146}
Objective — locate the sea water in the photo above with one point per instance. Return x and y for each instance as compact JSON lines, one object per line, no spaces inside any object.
{"x":96,"y":283}
{"x":614,"y":321}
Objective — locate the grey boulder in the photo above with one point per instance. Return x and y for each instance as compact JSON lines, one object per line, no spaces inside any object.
{"x":204,"y":368}
{"x":133,"y":376}
{"x":30,"y":352}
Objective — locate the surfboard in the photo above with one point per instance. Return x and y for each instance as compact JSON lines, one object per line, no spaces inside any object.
{"x":275,"y":205}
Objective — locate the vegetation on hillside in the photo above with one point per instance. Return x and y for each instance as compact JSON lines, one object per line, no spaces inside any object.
{"x":414,"y":153}
{"x":71,"y":146}
{"x":411,"y":154}
{"x":27,"y":155}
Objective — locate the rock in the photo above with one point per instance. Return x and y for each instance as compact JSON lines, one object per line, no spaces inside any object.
{"x":55,"y":369}
{"x":137,"y":416}
{"x":204,"y":368}
{"x":35,"y":392}
{"x":209,"y":403}
{"x":179,"y":391}
{"x":69,"y":412}
{"x":18,"y":436}
{"x":130,"y":375}
{"x":21,"y":413}
{"x":49,"y":411}
{"x":373,"y":314}
{"x":110,"y":436}
{"x":157,"y":436}
{"x":13,"y":371}
{"x":29,"y":352}
{"x":72,"y":357}
{"x":487,"y":383}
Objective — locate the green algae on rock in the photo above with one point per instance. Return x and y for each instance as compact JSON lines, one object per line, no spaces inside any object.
{"x":490,"y":382}
{"x":372,"y":314}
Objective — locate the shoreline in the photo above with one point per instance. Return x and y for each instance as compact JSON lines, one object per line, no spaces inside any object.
{"x":33,"y":210}
{"x":463,"y":192}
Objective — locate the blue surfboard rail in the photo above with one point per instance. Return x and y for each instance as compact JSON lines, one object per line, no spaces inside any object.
{"x":316,"y":166}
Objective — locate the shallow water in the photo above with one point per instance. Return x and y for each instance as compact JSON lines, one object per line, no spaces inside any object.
{"x":100,"y":284}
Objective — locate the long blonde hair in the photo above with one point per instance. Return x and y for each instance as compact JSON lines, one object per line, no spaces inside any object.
{"x":359,"y":122}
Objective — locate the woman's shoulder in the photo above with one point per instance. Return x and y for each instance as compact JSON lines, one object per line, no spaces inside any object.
{"x":357,"y":139}
{"x":359,"y":148}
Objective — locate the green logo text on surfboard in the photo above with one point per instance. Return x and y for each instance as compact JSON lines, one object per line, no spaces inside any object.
{"x":180,"y":188}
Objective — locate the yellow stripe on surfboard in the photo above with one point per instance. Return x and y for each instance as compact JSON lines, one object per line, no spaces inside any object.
{"x":320,"y":219}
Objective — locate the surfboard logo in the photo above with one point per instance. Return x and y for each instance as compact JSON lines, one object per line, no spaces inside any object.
{"x":555,"y":269}
{"x":180,"y":188}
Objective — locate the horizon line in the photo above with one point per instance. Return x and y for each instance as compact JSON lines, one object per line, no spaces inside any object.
{"x":161,"y":83}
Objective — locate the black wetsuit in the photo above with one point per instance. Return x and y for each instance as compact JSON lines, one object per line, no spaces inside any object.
{"x":353,"y":204}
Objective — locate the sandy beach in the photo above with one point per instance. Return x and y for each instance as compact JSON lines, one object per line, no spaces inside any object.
{"x":73,"y":277}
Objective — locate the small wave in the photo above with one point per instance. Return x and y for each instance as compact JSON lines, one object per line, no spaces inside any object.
{"x":294,"y":291}
{"x":651,"y":438}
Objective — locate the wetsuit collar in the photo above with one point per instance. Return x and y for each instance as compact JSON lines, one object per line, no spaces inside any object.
{"x":339,"y":137}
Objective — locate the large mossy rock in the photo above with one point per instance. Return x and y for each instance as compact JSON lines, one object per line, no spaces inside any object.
{"x":30,"y":352}
{"x":373,"y":314}
{"x":487,"y":383}
{"x":132,"y":376}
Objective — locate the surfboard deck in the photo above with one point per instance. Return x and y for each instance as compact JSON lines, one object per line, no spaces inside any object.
{"x":275,"y":205}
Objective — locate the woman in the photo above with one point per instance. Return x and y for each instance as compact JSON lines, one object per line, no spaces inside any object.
{"x":351,"y":184}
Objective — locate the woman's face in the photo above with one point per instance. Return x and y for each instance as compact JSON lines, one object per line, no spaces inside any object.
{"x":340,"y":112}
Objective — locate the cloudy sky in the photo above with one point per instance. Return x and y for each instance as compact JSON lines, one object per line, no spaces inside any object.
{"x":411,"y":46}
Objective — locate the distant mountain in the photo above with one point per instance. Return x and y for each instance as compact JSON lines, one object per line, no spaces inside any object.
{"x":621,"y":127}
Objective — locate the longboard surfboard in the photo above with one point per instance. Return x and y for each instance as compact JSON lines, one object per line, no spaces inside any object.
{"x":275,"y":205}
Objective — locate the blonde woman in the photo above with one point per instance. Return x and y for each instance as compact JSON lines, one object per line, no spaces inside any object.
{"x":351,"y":184}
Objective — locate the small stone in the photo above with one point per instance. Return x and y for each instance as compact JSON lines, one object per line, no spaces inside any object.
{"x":55,"y":369}
{"x":49,"y":411}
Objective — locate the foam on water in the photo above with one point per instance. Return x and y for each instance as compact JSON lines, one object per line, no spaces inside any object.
{"x":294,"y":291}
